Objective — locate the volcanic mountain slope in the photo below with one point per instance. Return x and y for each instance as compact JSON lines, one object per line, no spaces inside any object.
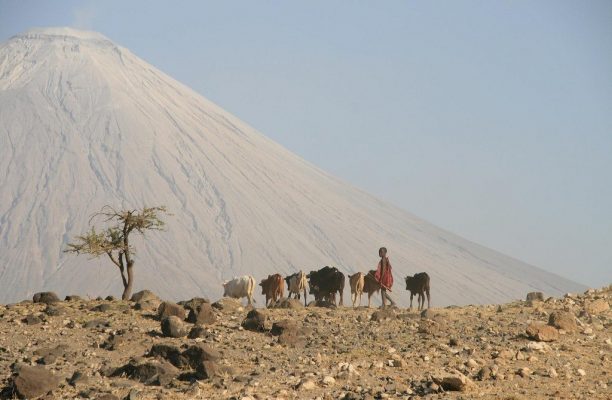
{"x":85,"y":123}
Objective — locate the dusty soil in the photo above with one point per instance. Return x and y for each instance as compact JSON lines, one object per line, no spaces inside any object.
{"x":350,"y":353}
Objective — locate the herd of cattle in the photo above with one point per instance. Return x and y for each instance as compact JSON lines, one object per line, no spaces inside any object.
{"x":323,"y":285}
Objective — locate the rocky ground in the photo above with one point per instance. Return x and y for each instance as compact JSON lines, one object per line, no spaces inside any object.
{"x":145,"y":349}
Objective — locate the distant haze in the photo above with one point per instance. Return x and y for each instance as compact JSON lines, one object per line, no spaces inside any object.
{"x":490,"y":119}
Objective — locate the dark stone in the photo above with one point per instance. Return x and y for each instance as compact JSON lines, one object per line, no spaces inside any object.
{"x":32,"y":319}
{"x":286,"y":325}
{"x":45,"y":297}
{"x":150,"y":373}
{"x":31,"y":382}
{"x":206,"y":370}
{"x":169,"y":353}
{"x":198,"y":331}
{"x":255,"y":321}
{"x":193,"y":303}
{"x":203,"y":315}
{"x":228,"y":304}
{"x":97,"y":324}
{"x":199,"y":353}
{"x":173,"y":327}
{"x":104,"y":307}
{"x":144,"y":295}
{"x":78,"y":378}
{"x":108,"y":396}
{"x":563,"y":320}
{"x":167,"y":309}
{"x":48,"y":355}
{"x":427,"y":314}
{"x":73,"y":297}
{"x":535,"y":296}
{"x":54,"y":311}
{"x":110,"y":298}
{"x":114,"y":341}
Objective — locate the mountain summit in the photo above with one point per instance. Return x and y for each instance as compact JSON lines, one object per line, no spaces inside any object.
{"x":85,"y":123}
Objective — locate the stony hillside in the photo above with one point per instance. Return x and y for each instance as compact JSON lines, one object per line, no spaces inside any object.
{"x":146,"y":349}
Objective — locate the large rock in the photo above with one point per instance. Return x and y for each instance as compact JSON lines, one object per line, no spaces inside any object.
{"x":202,"y":314}
{"x":193,"y":303}
{"x":457,"y":382}
{"x":203,"y":359}
{"x":155,"y":372}
{"x":289,"y":333}
{"x":45,"y":297}
{"x":73,"y":297}
{"x":596,"y":307}
{"x":255,"y":321}
{"x":290,"y":303}
{"x":31,"y":382}
{"x":170,"y":353}
{"x":48,"y":355}
{"x":199,"y":353}
{"x":541,"y":332}
{"x":228,"y":304}
{"x":144,"y":295}
{"x":173,"y":327}
{"x":167,"y":309}
{"x":563,"y":320}
{"x":535,"y":296}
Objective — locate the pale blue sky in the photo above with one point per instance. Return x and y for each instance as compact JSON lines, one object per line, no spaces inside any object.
{"x":492,"y":119}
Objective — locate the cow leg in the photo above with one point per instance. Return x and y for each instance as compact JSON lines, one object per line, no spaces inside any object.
{"x":427,"y":292}
{"x":411,"y":300}
{"x":341,"y":298}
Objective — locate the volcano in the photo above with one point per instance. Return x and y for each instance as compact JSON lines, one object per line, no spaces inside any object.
{"x":85,"y":123}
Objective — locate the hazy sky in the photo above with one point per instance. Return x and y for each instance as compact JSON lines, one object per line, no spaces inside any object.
{"x":491,"y":119}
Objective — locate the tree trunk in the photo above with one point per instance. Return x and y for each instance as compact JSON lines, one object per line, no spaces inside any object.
{"x":127,"y":290}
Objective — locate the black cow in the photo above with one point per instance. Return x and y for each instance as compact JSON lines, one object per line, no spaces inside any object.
{"x":419,"y":284}
{"x":325,"y":282}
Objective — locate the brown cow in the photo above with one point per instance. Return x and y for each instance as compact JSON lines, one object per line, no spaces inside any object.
{"x":273,"y":288}
{"x":370,"y":285}
{"x":356,"y":281}
{"x":419,"y":284}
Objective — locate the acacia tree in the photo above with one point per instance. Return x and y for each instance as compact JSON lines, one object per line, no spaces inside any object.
{"x":114,"y":241}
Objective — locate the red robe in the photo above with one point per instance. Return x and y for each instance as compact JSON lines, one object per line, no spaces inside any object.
{"x":386,"y":281}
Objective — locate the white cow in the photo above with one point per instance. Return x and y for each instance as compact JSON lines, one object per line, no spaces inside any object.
{"x":242,"y":286}
{"x":357,"y":281}
{"x":297,"y":283}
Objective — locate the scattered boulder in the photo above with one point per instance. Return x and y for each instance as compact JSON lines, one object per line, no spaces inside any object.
{"x":283,"y":326}
{"x":114,"y":341}
{"x":322,"y":303}
{"x":563,"y":320}
{"x":78,"y":378}
{"x":32,"y":319}
{"x":73,"y":297}
{"x":31,"y":382}
{"x":535,"y":296}
{"x":144,"y":295}
{"x":541,"y":332}
{"x":198,"y":331}
{"x":48,"y":355}
{"x":173,"y":326}
{"x":255,"y":321}
{"x":54,"y":311}
{"x":154,"y":372}
{"x":167,"y":309}
{"x":97,"y":323}
{"x":170,"y":353}
{"x":104,"y":307}
{"x":228,"y":304}
{"x":456,"y":382}
{"x":193,"y":303}
{"x":108,"y":396}
{"x":596,"y":307}
{"x":289,"y":303}
{"x":45,"y":297}
{"x":147,"y":305}
{"x":202,"y":314}
{"x":110,"y":298}
{"x":203,"y":359}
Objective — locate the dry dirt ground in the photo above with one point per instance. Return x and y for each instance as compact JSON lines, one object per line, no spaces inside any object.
{"x":100,"y":349}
